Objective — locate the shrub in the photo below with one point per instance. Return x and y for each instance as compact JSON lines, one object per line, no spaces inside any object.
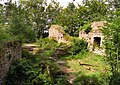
{"x":26,"y":54}
{"x":115,"y":79}
{"x":77,"y":46}
{"x":34,"y":71}
{"x":18,"y":73}
{"x":46,"y":43}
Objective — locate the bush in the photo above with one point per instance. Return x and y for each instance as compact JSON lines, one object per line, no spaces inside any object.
{"x":77,"y":46}
{"x":17,"y":73}
{"x":34,"y":71}
{"x":26,"y":54}
{"x":115,"y":79}
{"x":46,"y":43}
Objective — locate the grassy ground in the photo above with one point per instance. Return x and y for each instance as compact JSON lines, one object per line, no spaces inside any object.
{"x":85,"y":68}
{"x":88,"y":69}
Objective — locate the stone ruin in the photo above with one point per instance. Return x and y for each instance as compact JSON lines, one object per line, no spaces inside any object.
{"x":57,"y":33}
{"x":8,"y":53}
{"x":95,"y":37}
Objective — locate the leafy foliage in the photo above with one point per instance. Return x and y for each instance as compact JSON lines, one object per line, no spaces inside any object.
{"x":34,"y":70}
{"x":4,"y":35}
{"x":87,"y":28}
{"x":18,"y":24}
{"x":46,"y":43}
{"x":14,"y":23}
{"x":40,"y":14}
{"x":78,"y":46}
{"x":112,"y":45}
{"x":73,"y":17}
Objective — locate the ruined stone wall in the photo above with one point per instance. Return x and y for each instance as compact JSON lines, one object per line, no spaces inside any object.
{"x":8,"y":53}
{"x":94,"y":33}
{"x":56,"y":32}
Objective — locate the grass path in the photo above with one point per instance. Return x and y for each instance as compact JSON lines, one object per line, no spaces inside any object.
{"x":94,"y":70}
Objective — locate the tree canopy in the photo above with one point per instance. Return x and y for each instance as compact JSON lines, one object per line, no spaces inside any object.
{"x":32,"y":19}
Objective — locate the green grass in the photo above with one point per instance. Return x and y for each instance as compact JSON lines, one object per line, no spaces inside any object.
{"x":98,"y":73}
{"x":77,"y":56}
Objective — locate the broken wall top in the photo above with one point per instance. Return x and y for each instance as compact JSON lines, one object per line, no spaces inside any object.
{"x":60,"y":30}
{"x":97,"y":26}
{"x":58,"y":27}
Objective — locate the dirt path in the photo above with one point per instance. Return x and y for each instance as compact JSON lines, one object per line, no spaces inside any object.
{"x":68,"y":71}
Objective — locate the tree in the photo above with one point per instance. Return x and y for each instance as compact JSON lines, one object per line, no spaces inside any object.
{"x":113,"y":9}
{"x":13,"y":22}
{"x":5,"y":35}
{"x":73,"y":17}
{"x":112,"y":46}
{"x":68,"y":19}
{"x":35,"y":10}
{"x":41,"y":14}
{"x":96,"y":10}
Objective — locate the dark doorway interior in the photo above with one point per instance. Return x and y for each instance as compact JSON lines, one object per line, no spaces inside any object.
{"x":97,"y":41}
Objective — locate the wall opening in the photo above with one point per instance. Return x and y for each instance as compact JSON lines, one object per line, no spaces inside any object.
{"x":97,"y":41}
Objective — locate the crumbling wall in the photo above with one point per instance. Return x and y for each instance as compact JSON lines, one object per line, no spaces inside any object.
{"x":8,"y":53}
{"x":94,"y":33}
{"x":56,"y":32}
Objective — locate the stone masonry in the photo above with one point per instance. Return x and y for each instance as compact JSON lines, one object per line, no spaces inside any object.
{"x":56,"y":32}
{"x":8,"y":53}
{"x":95,"y":37}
